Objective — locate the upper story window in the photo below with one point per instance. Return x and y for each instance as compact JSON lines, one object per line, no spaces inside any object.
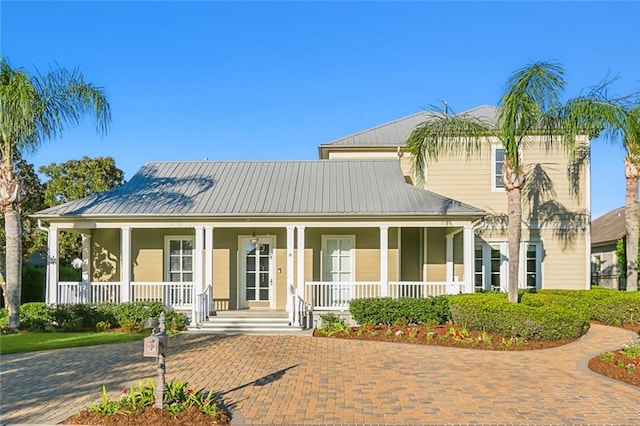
{"x":496,"y":172}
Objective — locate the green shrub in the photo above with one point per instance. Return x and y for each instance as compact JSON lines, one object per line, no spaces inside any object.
{"x":35,"y":316}
{"x":497,"y":315}
{"x":4,"y":317}
{"x":69,"y":273}
{"x":132,"y":315}
{"x":332,"y":324}
{"x":618,"y":309}
{"x":33,"y":283}
{"x":410,"y":310}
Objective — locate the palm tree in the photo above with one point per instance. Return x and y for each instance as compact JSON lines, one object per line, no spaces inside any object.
{"x":530,"y":105}
{"x":35,"y":108}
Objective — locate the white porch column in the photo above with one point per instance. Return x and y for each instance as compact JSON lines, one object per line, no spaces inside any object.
{"x":449,"y":248}
{"x":52,"y":266}
{"x":468,"y":248}
{"x":300,"y":264}
{"x":125,"y":264}
{"x":208,"y":268}
{"x":424,"y":255}
{"x":86,"y":258}
{"x":384,"y":261}
{"x":197,"y":276}
{"x":198,"y":260}
{"x":290,"y":274}
{"x":208,"y":257}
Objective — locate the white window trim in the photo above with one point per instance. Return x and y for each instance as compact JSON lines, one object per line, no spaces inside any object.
{"x":323,"y":250}
{"x":495,"y":188}
{"x":487,"y":245}
{"x":522,"y":273}
{"x":166,"y":268}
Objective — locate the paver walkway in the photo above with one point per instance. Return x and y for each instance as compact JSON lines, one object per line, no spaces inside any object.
{"x":299,"y":379}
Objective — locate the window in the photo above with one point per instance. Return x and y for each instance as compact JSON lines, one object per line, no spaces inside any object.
{"x":337,"y":267}
{"x":179,"y":255}
{"x":490,"y":266}
{"x":531,"y":265}
{"x":496,"y":173}
{"x":338,"y":259}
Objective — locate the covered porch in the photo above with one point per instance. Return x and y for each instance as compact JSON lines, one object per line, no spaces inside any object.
{"x":210,"y":266}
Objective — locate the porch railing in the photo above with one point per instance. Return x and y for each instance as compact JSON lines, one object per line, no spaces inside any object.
{"x":88,"y":292}
{"x":325,"y":295}
{"x":176,"y":295}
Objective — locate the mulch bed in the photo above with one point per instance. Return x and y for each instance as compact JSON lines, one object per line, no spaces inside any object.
{"x":149,"y":416}
{"x":443,"y":335}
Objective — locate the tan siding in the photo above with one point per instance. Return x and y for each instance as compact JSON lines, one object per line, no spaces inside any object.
{"x":564,"y":266}
{"x":410,"y":255}
{"x":280,"y":278}
{"x":469,"y":179}
{"x":458,"y":257}
{"x":105,"y":251}
{"x":436,"y":254}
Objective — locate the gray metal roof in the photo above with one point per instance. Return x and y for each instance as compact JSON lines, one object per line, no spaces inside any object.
{"x":608,"y":228}
{"x":397,"y":132}
{"x":265,"y":188}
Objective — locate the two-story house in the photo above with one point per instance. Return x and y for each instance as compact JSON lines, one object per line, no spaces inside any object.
{"x":285,"y":235}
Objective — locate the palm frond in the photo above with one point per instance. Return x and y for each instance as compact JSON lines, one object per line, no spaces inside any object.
{"x":445,"y":134}
{"x":529,"y":94}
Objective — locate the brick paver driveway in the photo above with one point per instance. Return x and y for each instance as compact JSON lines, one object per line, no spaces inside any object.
{"x":299,"y":379}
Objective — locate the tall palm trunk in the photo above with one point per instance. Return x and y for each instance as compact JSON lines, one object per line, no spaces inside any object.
{"x":514,"y":232}
{"x":632,"y":173}
{"x":513,"y":182}
{"x":12,"y":288}
{"x":14,"y":265}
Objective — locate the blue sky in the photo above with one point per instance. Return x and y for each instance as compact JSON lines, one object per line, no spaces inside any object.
{"x":272,"y":80}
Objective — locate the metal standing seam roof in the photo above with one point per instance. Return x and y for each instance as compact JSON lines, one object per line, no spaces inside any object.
{"x":265,"y":188}
{"x":396,"y":133}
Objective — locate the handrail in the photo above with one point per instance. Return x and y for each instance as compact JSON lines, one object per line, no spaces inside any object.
{"x":202,"y":307}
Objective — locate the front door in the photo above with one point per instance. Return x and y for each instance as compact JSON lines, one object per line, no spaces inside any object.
{"x":256,"y":275}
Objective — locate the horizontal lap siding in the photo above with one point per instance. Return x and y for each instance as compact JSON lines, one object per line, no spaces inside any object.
{"x":565,"y":266}
{"x":470,"y":179}
{"x":105,"y":252}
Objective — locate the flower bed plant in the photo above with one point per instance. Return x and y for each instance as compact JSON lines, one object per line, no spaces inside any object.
{"x":623,"y":364}
{"x":183,"y":405}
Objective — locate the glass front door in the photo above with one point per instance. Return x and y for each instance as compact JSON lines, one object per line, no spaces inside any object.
{"x":257,"y":268}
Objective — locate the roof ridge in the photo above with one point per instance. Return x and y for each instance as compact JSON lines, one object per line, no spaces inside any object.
{"x":377,"y":127}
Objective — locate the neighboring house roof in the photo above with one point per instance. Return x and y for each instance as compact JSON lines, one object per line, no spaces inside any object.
{"x":265,"y":188}
{"x":396,"y":133}
{"x":608,"y":228}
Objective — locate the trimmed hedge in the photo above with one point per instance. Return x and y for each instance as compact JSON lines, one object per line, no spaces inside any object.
{"x":129,"y":316}
{"x":409,"y":310}
{"x":495,"y":314}
{"x":603,"y":305}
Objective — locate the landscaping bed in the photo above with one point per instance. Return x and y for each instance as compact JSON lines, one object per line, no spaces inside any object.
{"x":148,"y":416}
{"x":442,"y":335}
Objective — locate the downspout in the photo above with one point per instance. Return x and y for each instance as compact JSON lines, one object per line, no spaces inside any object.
{"x":43,"y":228}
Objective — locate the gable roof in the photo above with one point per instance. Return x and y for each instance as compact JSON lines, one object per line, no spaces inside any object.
{"x":265,"y":188}
{"x":396,"y":133}
{"x":608,"y":228}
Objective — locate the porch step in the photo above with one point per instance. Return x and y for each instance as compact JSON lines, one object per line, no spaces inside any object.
{"x":247,"y":322}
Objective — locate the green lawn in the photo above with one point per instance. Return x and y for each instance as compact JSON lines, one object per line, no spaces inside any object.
{"x":35,"y":341}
